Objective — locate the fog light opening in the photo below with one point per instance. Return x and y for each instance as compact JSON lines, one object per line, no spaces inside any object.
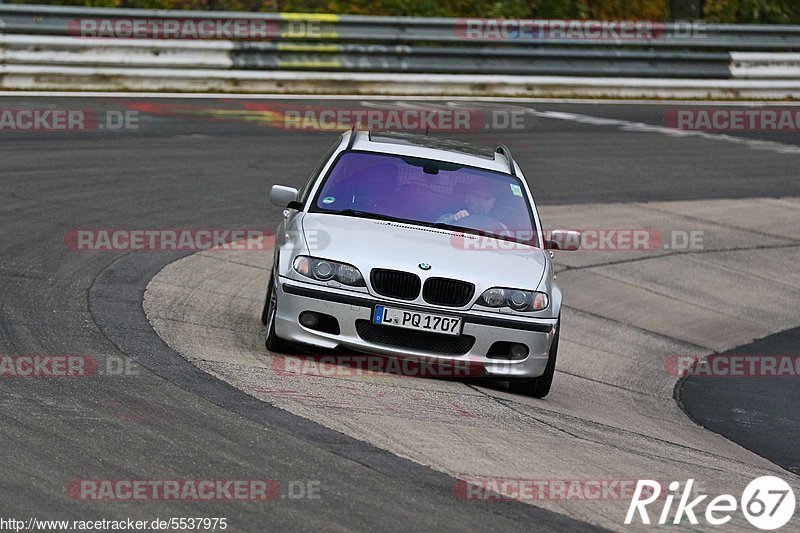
{"x":309,"y":319}
{"x":519,"y":351}
{"x":319,"y":322}
{"x":508,"y":350}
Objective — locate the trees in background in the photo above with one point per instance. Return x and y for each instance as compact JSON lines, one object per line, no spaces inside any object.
{"x":740,"y":11}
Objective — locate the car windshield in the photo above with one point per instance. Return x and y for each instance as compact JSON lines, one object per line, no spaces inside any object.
{"x":427,"y":192}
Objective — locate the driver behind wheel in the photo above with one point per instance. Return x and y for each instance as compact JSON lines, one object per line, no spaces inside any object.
{"x":479,"y":200}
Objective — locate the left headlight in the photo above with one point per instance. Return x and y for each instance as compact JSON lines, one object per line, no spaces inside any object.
{"x":516,"y":299}
{"x":325,"y":270}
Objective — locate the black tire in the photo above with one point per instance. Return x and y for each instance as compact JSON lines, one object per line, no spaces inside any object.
{"x":540,"y":387}
{"x":273,"y":343}
{"x":265,"y":311}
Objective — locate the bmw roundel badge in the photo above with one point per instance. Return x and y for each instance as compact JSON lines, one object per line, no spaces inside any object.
{"x":425,"y":266}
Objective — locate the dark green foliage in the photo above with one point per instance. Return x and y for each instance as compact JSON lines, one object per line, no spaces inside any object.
{"x":735,"y":11}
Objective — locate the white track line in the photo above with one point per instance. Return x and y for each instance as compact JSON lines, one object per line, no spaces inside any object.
{"x":640,"y":127}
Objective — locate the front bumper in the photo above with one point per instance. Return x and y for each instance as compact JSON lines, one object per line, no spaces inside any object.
{"x":347,"y":307}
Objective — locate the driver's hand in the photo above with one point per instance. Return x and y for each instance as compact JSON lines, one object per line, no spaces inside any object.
{"x":461,"y":214}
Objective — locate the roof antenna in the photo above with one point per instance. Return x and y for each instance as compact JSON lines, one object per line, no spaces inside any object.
{"x":427,"y":130}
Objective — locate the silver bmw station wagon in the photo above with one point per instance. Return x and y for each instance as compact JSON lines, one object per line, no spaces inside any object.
{"x":413,"y":246}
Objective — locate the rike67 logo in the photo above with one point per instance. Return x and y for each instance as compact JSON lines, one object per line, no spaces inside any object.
{"x":767,"y":503}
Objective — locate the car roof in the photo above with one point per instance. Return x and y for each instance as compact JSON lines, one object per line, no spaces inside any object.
{"x":436,"y":148}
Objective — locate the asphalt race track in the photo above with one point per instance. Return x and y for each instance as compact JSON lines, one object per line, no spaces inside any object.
{"x":196,"y":400}
{"x":751,"y":410}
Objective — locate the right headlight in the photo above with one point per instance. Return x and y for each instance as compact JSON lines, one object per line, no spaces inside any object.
{"x":516,"y":299}
{"x":325,"y":270}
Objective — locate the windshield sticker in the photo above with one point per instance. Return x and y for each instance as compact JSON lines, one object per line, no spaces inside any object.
{"x":516,"y":189}
{"x":328,"y":200}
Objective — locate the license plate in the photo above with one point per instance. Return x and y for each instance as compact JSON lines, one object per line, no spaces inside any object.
{"x":403,"y":318}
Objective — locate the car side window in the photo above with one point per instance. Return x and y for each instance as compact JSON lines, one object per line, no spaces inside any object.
{"x":306,"y":190}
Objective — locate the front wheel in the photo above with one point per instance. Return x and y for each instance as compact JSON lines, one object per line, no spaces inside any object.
{"x":540,"y":387}
{"x":265,"y":310}
{"x":274,"y":343}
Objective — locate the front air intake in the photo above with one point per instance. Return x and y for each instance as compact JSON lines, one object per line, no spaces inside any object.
{"x":449,"y":292}
{"x":395,"y":284}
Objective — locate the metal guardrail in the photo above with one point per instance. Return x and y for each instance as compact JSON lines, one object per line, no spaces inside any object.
{"x":36,"y":50}
{"x":56,"y":20}
{"x":47,"y":45}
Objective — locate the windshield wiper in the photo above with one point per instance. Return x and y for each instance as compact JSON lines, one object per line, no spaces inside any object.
{"x":368,"y":214}
{"x":357,"y":213}
{"x":450,"y":227}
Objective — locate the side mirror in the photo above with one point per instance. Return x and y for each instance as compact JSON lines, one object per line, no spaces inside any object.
{"x":567,"y":240}
{"x":283,"y":196}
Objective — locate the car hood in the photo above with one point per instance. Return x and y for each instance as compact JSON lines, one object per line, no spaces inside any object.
{"x":367,"y":244}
